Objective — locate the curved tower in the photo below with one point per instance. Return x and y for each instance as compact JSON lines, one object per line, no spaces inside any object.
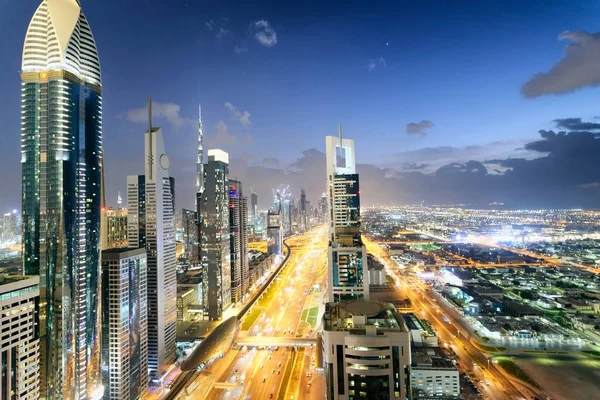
{"x":61,"y":158}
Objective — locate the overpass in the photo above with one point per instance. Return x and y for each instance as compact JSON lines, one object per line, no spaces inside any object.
{"x":267,"y":341}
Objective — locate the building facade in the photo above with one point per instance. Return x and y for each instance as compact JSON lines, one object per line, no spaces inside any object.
{"x":214,"y":236}
{"x":347,"y":256}
{"x":62,"y":168}
{"x":433,"y":376}
{"x":238,"y":241}
{"x":253,"y":222}
{"x":366,"y":351}
{"x":20,"y":338}
{"x":190,"y":236}
{"x":274,"y":233}
{"x":113,"y":229}
{"x":124,"y":324}
{"x":136,"y":211}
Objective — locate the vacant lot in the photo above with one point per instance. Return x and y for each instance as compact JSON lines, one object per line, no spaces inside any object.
{"x":565,"y":377}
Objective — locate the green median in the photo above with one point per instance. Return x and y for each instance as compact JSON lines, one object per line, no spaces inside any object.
{"x":513,"y":369}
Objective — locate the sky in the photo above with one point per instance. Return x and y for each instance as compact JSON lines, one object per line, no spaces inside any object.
{"x":449,"y":102}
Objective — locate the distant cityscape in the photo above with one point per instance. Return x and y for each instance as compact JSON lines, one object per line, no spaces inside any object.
{"x":137,"y":297}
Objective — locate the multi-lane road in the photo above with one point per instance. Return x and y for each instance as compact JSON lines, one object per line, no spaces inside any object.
{"x":289,"y":311}
{"x":497,"y":385}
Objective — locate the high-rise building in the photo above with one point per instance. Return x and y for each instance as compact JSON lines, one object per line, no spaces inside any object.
{"x":190,"y":236}
{"x":62,"y":168}
{"x":323,"y":214}
{"x":113,"y":228}
{"x":136,"y":211}
{"x":10,"y":226}
{"x":303,"y":211}
{"x":253,"y":223}
{"x":366,"y":351}
{"x":20,"y":337}
{"x":151,"y":225}
{"x":238,"y":241}
{"x":214,"y":236}
{"x":274,"y":233}
{"x":124,"y":324}
{"x":347,"y":256}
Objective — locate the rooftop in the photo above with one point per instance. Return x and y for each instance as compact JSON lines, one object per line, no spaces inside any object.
{"x":363,"y":317}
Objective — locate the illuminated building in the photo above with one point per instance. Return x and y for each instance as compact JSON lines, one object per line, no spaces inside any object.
{"x":124,"y":324}
{"x":9,"y":228}
{"x":347,"y":256}
{"x":190,"y":236}
{"x":303,"y":211}
{"x":214,"y":242}
{"x":253,"y":222}
{"x":151,"y":225}
{"x":62,"y":167}
{"x":274,"y":233}
{"x":322,"y":210}
{"x":113,"y":228}
{"x":366,"y":351}
{"x":19,"y":338}
{"x":238,"y":241}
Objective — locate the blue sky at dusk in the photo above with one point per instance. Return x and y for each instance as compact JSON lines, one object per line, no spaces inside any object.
{"x":275,"y":77}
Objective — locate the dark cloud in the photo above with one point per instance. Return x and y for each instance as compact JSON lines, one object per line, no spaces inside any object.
{"x":419,"y":128}
{"x":579,"y":67}
{"x":562,"y":170}
{"x":575,"y":124}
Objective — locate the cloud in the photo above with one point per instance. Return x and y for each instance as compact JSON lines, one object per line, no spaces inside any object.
{"x":242,"y":116}
{"x":579,"y":67}
{"x":223,"y":139}
{"x":271,"y":161}
{"x":413,"y":166}
{"x":418,"y":128}
{"x":372,"y":64}
{"x":221,"y":33}
{"x":210,"y":25}
{"x":240,"y":49}
{"x":264,"y":33}
{"x":575,"y":124}
{"x":168,"y":111}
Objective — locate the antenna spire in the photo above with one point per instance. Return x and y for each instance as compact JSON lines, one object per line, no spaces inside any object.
{"x":150,"y":144}
{"x":340,"y":133}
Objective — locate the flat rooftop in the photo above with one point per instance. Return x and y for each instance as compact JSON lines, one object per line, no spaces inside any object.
{"x":361,"y":314}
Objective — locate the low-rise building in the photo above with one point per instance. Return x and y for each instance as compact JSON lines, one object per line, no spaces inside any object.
{"x":433,"y":376}
{"x":421,"y":332}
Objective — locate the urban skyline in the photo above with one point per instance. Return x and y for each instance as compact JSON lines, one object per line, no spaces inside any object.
{"x":454,"y":272}
{"x":463,"y":129}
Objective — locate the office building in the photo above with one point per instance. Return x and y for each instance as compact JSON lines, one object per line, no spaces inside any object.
{"x":347,"y":257}
{"x":10,"y":227}
{"x":19,"y":338}
{"x":190,"y":236}
{"x":322,"y":208}
{"x":151,"y":225}
{"x":136,"y":211}
{"x":432,"y":375}
{"x":214,"y":238}
{"x":238,"y":241}
{"x":113,"y":228}
{"x":253,"y":213}
{"x":62,"y":167}
{"x":274,"y":233}
{"x":124,"y":324}
{"x":366,"y":351}
{"x":303,"y":211}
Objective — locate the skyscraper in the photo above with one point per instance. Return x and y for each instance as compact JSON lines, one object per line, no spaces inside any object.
{"x":190,"y":236}
{"x":347,"y":264}
{"x":150,"y":224}
{"x":61,"y":158}
{"x":253,"y":223}
{"x":124,"y":324}
{"x":238,"y":240}
{"x":19,"y":337}
{"x":303,"y":211}
{"x":214,"y":236}
{"x":113,"y":228}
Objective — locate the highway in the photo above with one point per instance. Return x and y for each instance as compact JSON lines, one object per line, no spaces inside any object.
{"x":472,"y":359}
{"x":249,"y":373}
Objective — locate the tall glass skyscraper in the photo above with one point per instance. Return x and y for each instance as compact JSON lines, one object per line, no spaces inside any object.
{"x":61,"y":158}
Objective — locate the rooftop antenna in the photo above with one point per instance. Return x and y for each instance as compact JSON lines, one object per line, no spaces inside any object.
{"x":340,"y":133}
{"x":150,"y":155}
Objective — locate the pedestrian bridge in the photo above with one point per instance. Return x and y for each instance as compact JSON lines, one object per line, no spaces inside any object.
{"x":268,"y":341}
